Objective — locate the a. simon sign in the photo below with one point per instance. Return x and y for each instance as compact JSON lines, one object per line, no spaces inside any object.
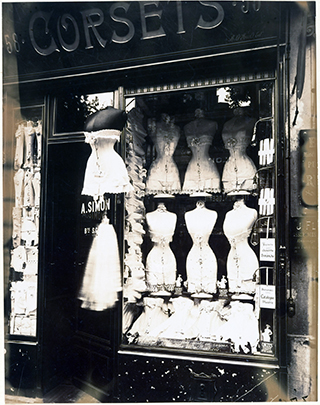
{"x":54,"y":39}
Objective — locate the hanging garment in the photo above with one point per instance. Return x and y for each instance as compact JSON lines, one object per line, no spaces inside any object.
{"x":106,"y":171}
{"x":102,"y":277}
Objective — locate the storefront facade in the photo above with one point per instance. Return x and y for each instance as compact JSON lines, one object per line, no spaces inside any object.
{"x":181,"y":265}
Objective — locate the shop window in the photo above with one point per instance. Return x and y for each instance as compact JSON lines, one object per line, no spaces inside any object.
{"x":200,"y":242}
{"x":24,"y":252}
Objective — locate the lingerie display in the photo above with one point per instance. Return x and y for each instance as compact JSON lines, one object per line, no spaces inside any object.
{"x":242,"y":262}
{"x":163,"y":176}
{"x":134,"y":269}
{"x":201,"y":265}
{"x":241,"y":326}
{"x":202,"y":174}
{"x":105,"y":171}
{"x":161,"y":262}
{"x":25,"y":230}
{"x":155,"y":312}
{"x":191,"y":275}
{"x":102,"y":277}
{"x":239,"y":170}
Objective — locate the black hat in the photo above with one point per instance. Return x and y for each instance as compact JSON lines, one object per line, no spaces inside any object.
{"x":108,"y":118}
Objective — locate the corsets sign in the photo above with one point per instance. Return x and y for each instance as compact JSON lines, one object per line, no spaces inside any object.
{"x":45,"y":37}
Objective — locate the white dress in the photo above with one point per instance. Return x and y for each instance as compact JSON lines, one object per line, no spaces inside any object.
{"x":239,"y":170}
{"x":242,"y":261}
{"x":163,"y":176}
{"x":102,"y":277}
{"x":161,"y":266}
{"x":201,"y":262}
{"x":106,"y":171}
{"x":202,"y":174}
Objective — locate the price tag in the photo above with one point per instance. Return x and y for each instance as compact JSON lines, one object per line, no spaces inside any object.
{"x":268,"y":296}
{"x":267,"y":249}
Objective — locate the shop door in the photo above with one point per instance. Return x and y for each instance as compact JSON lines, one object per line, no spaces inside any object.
{"x":82,"y":338}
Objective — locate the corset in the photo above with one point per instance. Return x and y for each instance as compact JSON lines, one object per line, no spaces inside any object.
{"x":199,"y":141}
{"x":199,"y":241}
{"x":239,"y":238}
{"x":162,"y":240}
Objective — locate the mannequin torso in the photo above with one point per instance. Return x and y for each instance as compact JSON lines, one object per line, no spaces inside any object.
{"x":239,"y":170}
{"x":161,"y":262}
{"x":163,"y":174}
{"x":202,"y":174}
{"x":242,"y":262}
{"x":201,"y":261}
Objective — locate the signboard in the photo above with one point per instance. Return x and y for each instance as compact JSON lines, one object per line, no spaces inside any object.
{"x":45,"y":40}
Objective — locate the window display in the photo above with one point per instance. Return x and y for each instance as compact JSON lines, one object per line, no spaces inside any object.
{"x":25,"y":220}
{"x":200,"y":221}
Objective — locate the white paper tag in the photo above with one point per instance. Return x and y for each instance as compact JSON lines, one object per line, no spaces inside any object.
{"x":267,"y":249}
{"x":268,"y":296}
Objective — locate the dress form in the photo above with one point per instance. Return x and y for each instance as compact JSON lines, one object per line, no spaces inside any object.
{"x":201,"y":262}
{"x":202,"y":174}
{"x":242,"y":261}
{"x":239,"y":170}
{"x":163,"y":175}
{"x":105,"y":171}
{"x":161,"y":266}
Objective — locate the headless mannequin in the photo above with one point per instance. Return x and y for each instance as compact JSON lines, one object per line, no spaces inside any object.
{"x":242,"y":262}
{"x":164,"y":174}
{"x":239,"y":170}
{"x":202,"y":174}
{"x":201,"y":261}
{"x":161,"y":264}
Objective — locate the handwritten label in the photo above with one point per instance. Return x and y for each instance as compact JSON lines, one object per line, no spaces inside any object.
{"x":268,"y":296}
{"x":267,"y":249}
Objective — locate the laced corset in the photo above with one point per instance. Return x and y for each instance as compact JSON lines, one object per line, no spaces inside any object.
{"x":239,"y":170}
{"x":105,"y":171}
{"x":160,"y":262}
{"x":164,"y":174}
{"x":201,"y":262}
{"x":160,"y":240}
{"x":240,"y":238}
{"x":202,"y":173}
{"x":242,"y":261}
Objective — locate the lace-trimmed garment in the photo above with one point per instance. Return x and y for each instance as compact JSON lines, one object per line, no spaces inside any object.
{"x":163,"y":176}
{"x":106,"y":171}
{"x":242,"y":261}
{"x":153,"y":314}
{"x":239,"y":170}
{"x":102,"y":277}
{"x":202,"y":174}
{"x":161,"y":266}
{"x":201,"y":261}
